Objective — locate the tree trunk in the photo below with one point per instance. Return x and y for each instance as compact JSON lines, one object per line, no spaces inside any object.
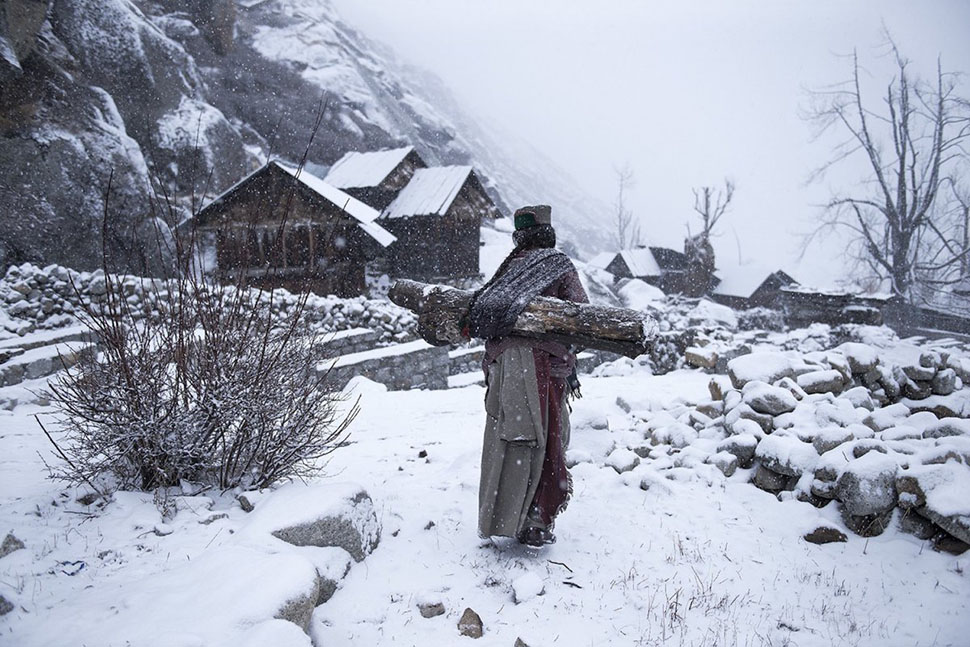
{"x":442,"y":308}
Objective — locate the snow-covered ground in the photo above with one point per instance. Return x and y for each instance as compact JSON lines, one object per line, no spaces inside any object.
{"x":695,"y":559}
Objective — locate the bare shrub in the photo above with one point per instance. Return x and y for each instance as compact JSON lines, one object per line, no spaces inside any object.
{"x":210,"y":389}
{"x":195,"y":382}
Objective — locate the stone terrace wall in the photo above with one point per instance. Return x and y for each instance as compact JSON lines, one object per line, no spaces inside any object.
{"x":400,"y":367}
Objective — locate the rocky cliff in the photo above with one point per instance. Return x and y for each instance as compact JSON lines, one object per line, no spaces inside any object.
{"x":183,"y":97}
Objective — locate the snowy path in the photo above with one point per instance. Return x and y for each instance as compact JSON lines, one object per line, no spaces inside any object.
{"x":685,"y":563}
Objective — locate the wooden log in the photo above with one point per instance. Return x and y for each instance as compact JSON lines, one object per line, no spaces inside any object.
{"x":441,"y":308}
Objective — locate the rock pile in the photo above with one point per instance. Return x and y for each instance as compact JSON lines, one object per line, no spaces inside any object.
{"x":847,"y":425}
{"x":32,"y":297}
{"x":878,"y":425}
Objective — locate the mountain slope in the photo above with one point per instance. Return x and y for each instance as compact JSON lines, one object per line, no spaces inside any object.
{"x":196,"y":94}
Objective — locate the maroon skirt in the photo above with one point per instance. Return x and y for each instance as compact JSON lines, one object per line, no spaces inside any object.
{"x":555,"y":484}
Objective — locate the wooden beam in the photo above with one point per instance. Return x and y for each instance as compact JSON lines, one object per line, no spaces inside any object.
{"x":441,"y":309}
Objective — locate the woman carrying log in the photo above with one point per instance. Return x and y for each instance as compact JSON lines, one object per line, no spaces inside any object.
{"x":524,"y":481}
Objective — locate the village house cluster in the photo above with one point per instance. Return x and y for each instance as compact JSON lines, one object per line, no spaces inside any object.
{"x":379,"y":212}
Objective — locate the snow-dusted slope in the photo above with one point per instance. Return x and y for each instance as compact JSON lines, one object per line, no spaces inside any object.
{"x":206,"y":90}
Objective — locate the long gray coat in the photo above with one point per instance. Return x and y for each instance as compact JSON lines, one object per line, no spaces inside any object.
{"x":515,"y":444}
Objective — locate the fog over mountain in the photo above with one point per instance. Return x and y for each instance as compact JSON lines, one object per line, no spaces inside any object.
{"x":196,"y":94}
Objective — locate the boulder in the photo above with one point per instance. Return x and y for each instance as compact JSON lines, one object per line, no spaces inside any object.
{"x":917,"y":525}
{"x":700,"y":357}
{"x":931,"y":359}
{"x":827,"y":471}
{"x":828,"y":381}
{"x":831,"y":437}
{"x":5,"y":606}
{"x":766,"y":399}
{"x":744,"y":412}
{"x":470,"y":624}
{"x":526,"y":587}
{"x":887,"y":417}
{"x":340,"y":515}
{"x":944,"y":382}
{"x":678,"y":435}
{"x":918,"y":390}
{"x":725,"y":461}
{"x":766,"y":367}
{"x":861,"y":358}
{"x":919,"y":373}
{"x":771,"y":481}
{"x":825,"y":535}
{"x":867,"y":485}
{"x":792,"y":387}
{"x":10,"y":544}
{"x":947,"y":543}
{"x":431,"y":609}
{"x":948,"y":427}
{"x":871,"y":525}
{"x":622,"y":460}
{"x":741,"y":447}
{"x":860,"y":398}
{"x":786,"y":455}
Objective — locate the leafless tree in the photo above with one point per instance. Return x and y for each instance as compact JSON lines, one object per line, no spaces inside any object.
{"x":627,"y":232}
{"x":910,"y":145}
{"x":711,"y":203}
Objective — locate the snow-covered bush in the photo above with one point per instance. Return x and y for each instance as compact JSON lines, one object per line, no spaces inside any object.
{"x":211,"y":388}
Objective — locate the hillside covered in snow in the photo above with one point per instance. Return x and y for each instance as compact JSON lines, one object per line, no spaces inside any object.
{"x":195,"y":95}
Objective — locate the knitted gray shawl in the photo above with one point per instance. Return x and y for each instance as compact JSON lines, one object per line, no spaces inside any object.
{"x":497,"y":305}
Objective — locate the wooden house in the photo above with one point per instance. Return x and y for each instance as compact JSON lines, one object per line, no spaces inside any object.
{"x":436,"y":219}
{"x":659,"y":266}
{"x":750,"y":287}
{"x":280,"y":227}
{"x":375,"y":177}
{"x":805,"y":306}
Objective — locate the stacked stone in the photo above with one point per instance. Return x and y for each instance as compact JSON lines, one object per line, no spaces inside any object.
{"x":843,"y":425}
{"x":49,"y":297}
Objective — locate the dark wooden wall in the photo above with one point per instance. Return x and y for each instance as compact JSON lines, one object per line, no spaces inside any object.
{"x":276,"y":232}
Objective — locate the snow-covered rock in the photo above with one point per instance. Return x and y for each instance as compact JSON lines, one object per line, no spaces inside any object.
{"x":823,"y":381}
{"x":741,"y":446}
{"x":768,"y":399}
{"x":710,"y":312}
{"x":862,"y":358}
{"x":167,"y":607}
{"x":527,"y":586}
{"x":939,"y":493}
{"x":867,"y":485}
{"x":622,"y":460}
{"x":331,"y":514}
{"x":786,"y":455}
{"x":761,"y":366}
{"x":948,"y":427}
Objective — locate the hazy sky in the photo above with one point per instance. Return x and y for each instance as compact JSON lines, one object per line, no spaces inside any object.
{"x":685,"y":92}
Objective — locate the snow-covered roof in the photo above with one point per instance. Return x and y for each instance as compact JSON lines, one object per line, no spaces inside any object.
{"x":641,"y":262}
{"x":430,"y":192}
{"x":742,"y":280}
{"x":364,"y":215}
{"x":357,"y":170}
{"x":603,"y":260}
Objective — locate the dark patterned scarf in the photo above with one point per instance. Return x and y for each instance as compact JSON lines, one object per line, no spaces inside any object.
{"x":523,"y":277}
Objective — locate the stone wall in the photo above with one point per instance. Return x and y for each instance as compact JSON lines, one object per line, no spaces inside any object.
{"x":400,"y":367}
